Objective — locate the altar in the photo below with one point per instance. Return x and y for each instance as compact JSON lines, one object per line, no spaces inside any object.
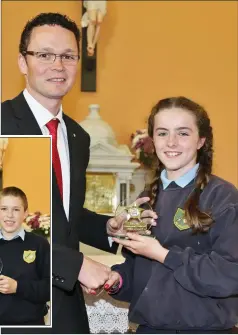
{"x":105,"y":314}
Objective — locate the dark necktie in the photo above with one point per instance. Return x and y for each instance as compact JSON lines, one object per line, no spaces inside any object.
{"x":52,"y":125}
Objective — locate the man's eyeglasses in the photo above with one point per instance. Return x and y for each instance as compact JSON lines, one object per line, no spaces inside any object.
{"x":49,"y":58}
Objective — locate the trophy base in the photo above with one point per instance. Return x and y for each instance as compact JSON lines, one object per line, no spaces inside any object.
{"x":124,"y":237}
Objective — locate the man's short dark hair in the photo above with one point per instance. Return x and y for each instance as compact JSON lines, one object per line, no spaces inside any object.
{"x":50,"y":19}
{"x":15,"y":192}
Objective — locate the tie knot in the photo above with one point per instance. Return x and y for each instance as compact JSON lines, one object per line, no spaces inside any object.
{"x":52,"y":125}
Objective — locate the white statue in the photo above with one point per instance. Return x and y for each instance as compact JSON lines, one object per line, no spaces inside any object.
{"x":92,"y":18}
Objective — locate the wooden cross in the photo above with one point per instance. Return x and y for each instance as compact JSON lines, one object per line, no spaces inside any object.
{"x":88,"y":64}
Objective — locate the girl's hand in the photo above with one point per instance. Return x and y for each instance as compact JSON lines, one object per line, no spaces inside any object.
{"x":144,"y":246}
{"x":114,"y":280}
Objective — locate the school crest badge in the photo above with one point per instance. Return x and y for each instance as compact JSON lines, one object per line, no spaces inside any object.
{"x":29,"y":256}
{"x":179,"y":220}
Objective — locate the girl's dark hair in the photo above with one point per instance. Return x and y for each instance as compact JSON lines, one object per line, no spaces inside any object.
{"x":15,"y":192}
{"x":50,"y":19}
{"x":199,"y":221}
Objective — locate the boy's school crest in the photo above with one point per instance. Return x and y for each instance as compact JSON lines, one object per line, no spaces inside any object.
{"x":29,"y":256}
{"x":179,"y":220}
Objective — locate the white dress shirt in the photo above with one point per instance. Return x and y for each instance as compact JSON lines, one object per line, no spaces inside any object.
{"x":43,"y":116}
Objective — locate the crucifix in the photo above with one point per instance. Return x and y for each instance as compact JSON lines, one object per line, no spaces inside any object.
{"x":92,"y":16}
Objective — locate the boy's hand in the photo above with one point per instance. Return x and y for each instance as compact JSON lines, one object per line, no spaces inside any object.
{"x":7,"y":285}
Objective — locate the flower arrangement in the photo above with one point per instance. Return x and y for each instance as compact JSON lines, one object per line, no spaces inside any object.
{"x":143,"y":147}
{"x":39,"y":223}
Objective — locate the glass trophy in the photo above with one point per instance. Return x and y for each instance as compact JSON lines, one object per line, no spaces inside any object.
{"x":134,"y":219}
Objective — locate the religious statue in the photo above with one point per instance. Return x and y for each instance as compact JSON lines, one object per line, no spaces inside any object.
{"x":92,"y":19}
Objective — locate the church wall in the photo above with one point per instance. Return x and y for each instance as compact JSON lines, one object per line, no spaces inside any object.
{"x":148,"y":50}
{"x":27,"y":166}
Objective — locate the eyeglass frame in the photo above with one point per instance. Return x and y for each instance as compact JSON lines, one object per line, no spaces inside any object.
{"x":36,"y":53}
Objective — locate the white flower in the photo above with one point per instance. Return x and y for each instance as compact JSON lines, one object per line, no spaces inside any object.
{"x":42,"y":219}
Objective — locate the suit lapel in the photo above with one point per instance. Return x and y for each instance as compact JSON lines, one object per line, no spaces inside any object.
{"x":25,"y":119}
{"x":73,"y":165}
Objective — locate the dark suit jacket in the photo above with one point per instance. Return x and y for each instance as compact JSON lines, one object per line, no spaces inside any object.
{"x":69,"y":314}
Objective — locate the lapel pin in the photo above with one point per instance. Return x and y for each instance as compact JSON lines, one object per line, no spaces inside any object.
{"x":74,"y":135}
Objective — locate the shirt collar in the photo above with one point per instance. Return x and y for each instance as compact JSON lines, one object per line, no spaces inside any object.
{"x":41,"y":114}
{"x":21,"y":233}
{"x":181,"y":181}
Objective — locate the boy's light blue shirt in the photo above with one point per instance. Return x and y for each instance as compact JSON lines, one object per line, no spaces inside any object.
{"x":21,"y":233}
{"x":181,"y":181}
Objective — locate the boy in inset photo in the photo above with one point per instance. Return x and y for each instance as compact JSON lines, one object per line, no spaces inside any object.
{"x":24,"y":264}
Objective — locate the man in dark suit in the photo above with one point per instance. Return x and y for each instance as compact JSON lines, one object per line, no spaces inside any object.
{"x":48,"y":58}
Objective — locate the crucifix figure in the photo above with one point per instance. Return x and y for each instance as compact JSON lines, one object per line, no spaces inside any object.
{"x":92,"y":19}
{"x":93,"y":13}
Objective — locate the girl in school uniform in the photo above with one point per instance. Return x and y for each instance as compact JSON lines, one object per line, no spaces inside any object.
{"x":185,"y":280}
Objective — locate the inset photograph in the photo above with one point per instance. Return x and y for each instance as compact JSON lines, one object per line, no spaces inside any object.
{"x":25,"y":234}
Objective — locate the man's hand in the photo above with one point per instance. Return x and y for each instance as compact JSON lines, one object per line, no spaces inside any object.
{"x":88,"y":290}
{"x":144,"y":246}
{"x":115,"y":225}
{"x":7,"y":285}
{"x":93,"y":274}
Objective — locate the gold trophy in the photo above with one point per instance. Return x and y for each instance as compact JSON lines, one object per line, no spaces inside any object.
{"x":135,"y":219}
